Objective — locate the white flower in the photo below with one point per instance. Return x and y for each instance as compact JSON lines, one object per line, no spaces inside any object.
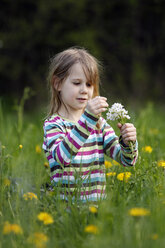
{"x":117,"y":112}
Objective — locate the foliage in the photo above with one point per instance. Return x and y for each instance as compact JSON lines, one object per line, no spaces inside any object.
{"x":131,"y":216}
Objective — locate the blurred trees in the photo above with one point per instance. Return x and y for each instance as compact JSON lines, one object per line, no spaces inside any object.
{"x":127,"y":36}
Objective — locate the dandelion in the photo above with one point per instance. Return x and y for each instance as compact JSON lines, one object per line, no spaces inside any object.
{"x":38,"y":149}
{"x":111,"y":174}
{"x":115,"y":162}
{"x":139,"y":212}
{"x":6,"y":182}
{"x":91,"y":229}
{"x":46,"y":164}
{"x":108,"y":164}
{"x":30,"y":196}
{"x":154,"y":236}
{"x":161,"y":163}
{"x":124,"y":176}
{"x":11,"y":228}
{"x":20,"y":147}
{"x":153,"y":131}
{"x":45,"y":218}
{"x":117,"y":112}
{"x":39,"y":239}
{"x":93,"y":209}
{"x":147,"y":149}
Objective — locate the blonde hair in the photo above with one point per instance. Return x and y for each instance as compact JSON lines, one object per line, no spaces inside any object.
{"x":59,"y":69}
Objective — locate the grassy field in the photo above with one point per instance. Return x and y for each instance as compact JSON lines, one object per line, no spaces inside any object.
{"x":31,"y":216}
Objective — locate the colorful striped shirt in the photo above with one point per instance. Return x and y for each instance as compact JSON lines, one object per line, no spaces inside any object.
{"x":75,"y":152}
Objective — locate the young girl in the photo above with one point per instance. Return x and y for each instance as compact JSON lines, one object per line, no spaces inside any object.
{"x":75,"y":136}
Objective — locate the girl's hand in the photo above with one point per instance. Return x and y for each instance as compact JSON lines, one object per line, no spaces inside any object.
{"x":97,"y":105}
{"x":128,"y":132}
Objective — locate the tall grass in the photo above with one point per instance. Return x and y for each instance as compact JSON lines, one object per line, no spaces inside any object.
{"x":23,"y":169}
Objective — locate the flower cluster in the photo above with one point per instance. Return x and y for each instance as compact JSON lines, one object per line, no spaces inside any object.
{"x":39,"y":239}
{"x":91,"y":229}
{"x":117,"y":112}
{"x":124,"y":176}
{"x":29,"y":196}
{"x":139,"y":212}
{"x":11,"y":228}
{"x":45,"y":218}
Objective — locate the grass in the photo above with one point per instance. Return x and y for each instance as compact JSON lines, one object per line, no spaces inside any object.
{"x":23,"y":169}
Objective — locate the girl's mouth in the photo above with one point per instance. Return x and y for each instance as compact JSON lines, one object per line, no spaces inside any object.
{"x":81,"y":99}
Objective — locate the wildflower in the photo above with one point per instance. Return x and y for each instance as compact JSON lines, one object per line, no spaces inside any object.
{"x":9,"y":228}
{"x":115,"y":162}
{"x":6,"y":182}
{"x":91,"y":229}
{"x":38,"y":239}
{"x":46,"y":164}
{"x":45,"y":218}
{"x":3,"y":147}
{"x":93,"y":209}
{"x":117,"y":112}
{"x":161,"y":163}
{"x":124,"y":176}
{"x":154,"y":131}
{"x":109,"y":174}
{"x":108,"y":164}
{"x":20,"y":146}
{"x":30,"y":196}
{"x":38,"y":149}
{"x":147,"y":149}
{"x":154,"y":236}
{"x":139,"y":212}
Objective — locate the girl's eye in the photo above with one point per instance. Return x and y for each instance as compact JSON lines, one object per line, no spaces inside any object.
{"x":89,"y":85}
{"x":76,"y":83}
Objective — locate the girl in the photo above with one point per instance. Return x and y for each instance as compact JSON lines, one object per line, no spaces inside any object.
{"x":75,"y":136}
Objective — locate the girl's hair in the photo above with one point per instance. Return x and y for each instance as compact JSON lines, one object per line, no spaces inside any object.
{"x":60,"y":67}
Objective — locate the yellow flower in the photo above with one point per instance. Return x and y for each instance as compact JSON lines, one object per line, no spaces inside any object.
{"x":38,"y":149}
{"x":147,"y":149}
{"x":161,"y":163}
{"x":91,"y":229}
{"x":109,"y":174}
{"x":108,"y":164}
{"x":30,"y":196}
{"x":124,"y":176}
{"x":139,"y":212}
{"x":20,"y":146}
{"x":3,"y":147}
{"x":115,"y":162}
{"x":46,"y":218}
{"x":6,"y":182}
{"x":154,"y":131}
{"x":154,"y":236}
{"x":46,"y":164}
{"x":8,"y":228}
{"x":38,"y":239}
{"x":93,"y":209}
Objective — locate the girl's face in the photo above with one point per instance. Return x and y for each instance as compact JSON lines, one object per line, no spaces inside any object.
{"x":75,"y":91}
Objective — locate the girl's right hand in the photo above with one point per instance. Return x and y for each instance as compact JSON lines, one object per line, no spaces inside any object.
{"x":97,"y":105}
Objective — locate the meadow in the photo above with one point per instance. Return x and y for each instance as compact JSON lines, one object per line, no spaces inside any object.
{"x":132,"y":215}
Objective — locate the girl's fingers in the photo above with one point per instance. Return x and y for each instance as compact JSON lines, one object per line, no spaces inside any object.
{"x":97,"y":105}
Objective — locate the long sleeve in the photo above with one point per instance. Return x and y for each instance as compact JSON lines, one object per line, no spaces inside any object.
{"x":64,"y":146}
{"x":115,"y":148}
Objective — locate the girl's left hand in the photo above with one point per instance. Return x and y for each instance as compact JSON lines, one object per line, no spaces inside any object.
{"x":128,"y":132}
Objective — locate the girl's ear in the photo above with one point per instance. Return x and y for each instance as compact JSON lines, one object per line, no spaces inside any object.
{"x":56,"y":83}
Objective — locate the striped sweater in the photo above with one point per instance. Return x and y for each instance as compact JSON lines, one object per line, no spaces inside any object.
{"x":75,"y":152}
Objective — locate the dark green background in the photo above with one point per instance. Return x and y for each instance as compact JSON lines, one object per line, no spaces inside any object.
{"x":127,"y":36}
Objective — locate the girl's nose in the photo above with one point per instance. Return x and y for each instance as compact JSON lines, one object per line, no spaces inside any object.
{"x":83,"y":88}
